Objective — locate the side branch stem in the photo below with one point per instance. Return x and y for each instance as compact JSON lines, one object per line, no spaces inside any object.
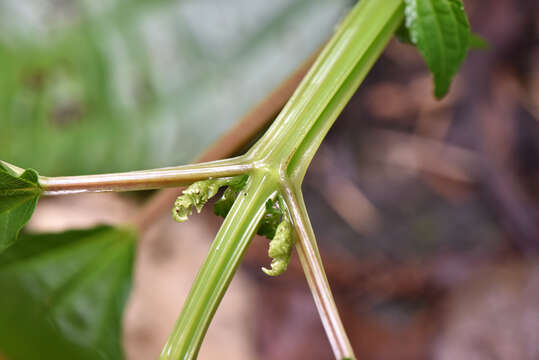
{"x":144,"y":180}
{"x":316,"y":276}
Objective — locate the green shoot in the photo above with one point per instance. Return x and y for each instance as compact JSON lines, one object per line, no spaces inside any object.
{"x":198,"y":194}
{"x":280,"y":249}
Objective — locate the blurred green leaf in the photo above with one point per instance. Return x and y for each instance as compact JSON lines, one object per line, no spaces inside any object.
{"x":63,"y":295}
{"x":18,"y":199}
{"x":478,"y":42}
{"x":102,"y":86}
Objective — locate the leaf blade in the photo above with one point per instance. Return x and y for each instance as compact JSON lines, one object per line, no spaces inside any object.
{"x":441,"y":32}
{"x":18,"y":199}
{"x":66,"y":294}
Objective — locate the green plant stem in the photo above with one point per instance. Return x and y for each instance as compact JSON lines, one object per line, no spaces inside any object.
{"x":146,"y":179}
{"x":297,"y":132}
{"x":277,"y":162}
{"x":379,"y":34}
{"x":221,"y":263}
{"x":316,"y":277}
{"x":276,"y":166}
{"x":283,"y":154}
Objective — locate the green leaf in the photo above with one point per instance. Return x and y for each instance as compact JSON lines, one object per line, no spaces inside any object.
{"x":195,"y":196}
{"x":403,"y":34}
{"x":478,"y":42}
{"x":63,"y":295}
{"x":441,"y":32}
{"x":237,"y":183}
{"x":198,"y":194}
{"x":18,"y":199}
{"x":475,"y":42}
{"x":224,"y":204}
{"x":270,"y":221}
{"x":280,"y":249}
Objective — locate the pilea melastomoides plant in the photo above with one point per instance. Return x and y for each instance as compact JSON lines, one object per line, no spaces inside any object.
{"x":64,"y":293}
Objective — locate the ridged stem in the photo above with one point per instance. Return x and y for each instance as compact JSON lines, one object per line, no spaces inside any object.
{"x":221,"y":263}
{"x":283,"y":154}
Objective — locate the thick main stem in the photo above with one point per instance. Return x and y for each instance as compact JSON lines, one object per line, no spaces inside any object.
{"x":286,"y":150}
{"x":299,"y":129}
{"x":295,"y":136}
{"x":219,"y":267}
{"x":280,"y":158}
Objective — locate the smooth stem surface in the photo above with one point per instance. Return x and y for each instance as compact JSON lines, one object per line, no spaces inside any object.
{"x":380,"y":31}
{"x":276,"y":163}
{"x":316,"y":277}
{"x":223,"y":258}
{"x":281,"y":157}
{"x":327,"y":87}
{"x":146,"y":179}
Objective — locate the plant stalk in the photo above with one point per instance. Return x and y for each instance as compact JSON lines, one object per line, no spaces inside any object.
{"x":145,"y":179}
{"x":313,"y":268}
{"x":220,"y":265}
{"x":295,"y":135}
{"x":281,"y":157}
